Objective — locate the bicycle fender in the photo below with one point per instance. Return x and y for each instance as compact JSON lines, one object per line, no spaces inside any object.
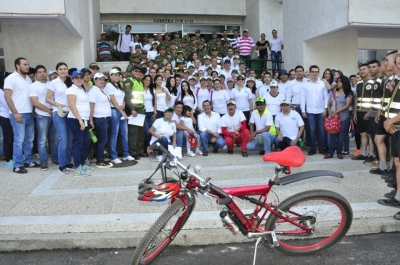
{"x":308,"y":174}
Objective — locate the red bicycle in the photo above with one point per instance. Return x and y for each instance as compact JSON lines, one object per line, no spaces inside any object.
{"x":304,"y":223}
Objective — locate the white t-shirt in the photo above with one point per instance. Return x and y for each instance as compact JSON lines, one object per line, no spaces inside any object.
{"x":241,"y":97}
{"x":82,"y":102}
{"x":219,"y":99}
{"x":276,"y":44}
{"x":187,"y":122}
{"x":233,"y":123}
{"x":119,"y":94}
{"x":102,"y":102}
{"x":163,"y":128}
{"x":59,"y":91}
{"x":282,"y":88}
{"x":148,"y":101}
{"x":190,"y":101}
{"x":161,"y":101}
{"x":152,"y":54}
{"x":202,"y":94}
{"x":274,"y":103}
{"x":171,"y":103}
{"x":20,"y":92}
{"x":263,"y":91}
{"x":261,"y":121}
{"x":289,"y":124}
{"x":227,"y":74}
{"x":39,"y":90}
{"x":4,"y":110}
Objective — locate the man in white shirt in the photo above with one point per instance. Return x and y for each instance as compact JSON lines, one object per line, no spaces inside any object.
{"x":314,"y":104}
{"x":283,"y":84}
{"x":16,"y":94}
{"x":229,"y":55}
{"x":123,"y":45}
{"x":178,"y":108}
{"x":210,"y":132}
{"x":264,"y":133}
{"x":276,"y":47}
{"x":234,"y":128}
{"x":289,"y":126}
{"x":46,"y":132}
{"x":264,"y":89}
{"x":227,"y":70}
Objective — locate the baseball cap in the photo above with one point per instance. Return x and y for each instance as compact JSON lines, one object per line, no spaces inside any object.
{"x":191,"y":77}
{"x":114,"y":71}
{"x":229,"y":80}
{"x":236,"y":57}
{"x":251,"y":79}
{"x":260,"y":99}
{"x":154,"y":42}
{"x":103,"y":32}
{"x":203,"y":78}
{"x":52,"y":71}
{"x":206,"y":57}
{"x":231,"y":101}
{"x":191,"y":66}
{"x":221,"y":75}
{"x":76,"y":72}
{"x":283,"y":71}
{"x":197,"y":31}
{"x":94,"y":66}
{"x":285,"y":102}
{"x":169,"y":109}
{"x":99,"y":75}
{"x":62,"y":112}
{"x":245,"y":30}
{"x":85,"y":70}
{"x":227,"y":61}
{"x":273,"y":83}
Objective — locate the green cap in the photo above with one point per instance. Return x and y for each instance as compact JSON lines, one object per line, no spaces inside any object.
{"x":260,"y":99}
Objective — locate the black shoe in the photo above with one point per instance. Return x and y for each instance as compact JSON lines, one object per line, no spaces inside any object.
{"x":55,"y":162}
{"x":322,"y":151}
{"x":392,"y":185}
{"x":369,"y":159}
{"x":32,"y":165}
{"x":261,"y":153}
{"x":20,"y":170}
{"x":230,"y":152}
{"x":392,"y":202}
{"x":215,"y":151}
{"x":389,"y":174}
{"x":44,"y":167}
{"x":397,"y":216}
{"x":345,"y":153}
{"x":136,"y":157}
{"x":359,"y":157}
{"x":376,"y":171}
{"x":390,"y":195}
{"x":70,"y":165}
{"x":312,"y":152}
{"x":391,"y":181}
{"x":144,"y":155}
{"x":245,"y":154}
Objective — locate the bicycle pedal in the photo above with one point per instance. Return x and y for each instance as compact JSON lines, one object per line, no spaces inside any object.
{"x":270,"y":247}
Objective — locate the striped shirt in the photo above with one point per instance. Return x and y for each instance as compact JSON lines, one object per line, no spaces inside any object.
{"x":104,"y":49}
{"x":245,"y":44}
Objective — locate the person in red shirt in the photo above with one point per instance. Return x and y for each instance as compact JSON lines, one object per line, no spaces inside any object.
{"x":234,"y":128}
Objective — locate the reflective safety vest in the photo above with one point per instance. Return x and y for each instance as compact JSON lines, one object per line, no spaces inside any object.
{"x":137,"y":98}
{"x":272,"y":129}
{"x":386,"y":94}
{"x":376,"y":96}
{"x":393,"y":106}
{"x":364,"y":95}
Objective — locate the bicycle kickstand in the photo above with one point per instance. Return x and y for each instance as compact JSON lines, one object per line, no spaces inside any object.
{"x":255,"y":250}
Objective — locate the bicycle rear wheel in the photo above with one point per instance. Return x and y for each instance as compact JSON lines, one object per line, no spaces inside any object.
{"x":161,"y":234}
{"x":327,"y":213}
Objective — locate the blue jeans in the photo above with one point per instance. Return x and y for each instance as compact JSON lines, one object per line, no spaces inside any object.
{"x":23,"y":139}
{"x":164,"y":142}
{"x":65,"y":138}
{"x":147,"y":124}
{"x":338,"y":139}
{"x":316,"y":122}
{"x":276,"y":58}
{"x":78,"y":141}
{"x":101,"y":126}
{"x":179,"y":138}
{"x":267,"y":141}
{"x":121,"y":126}
{"x":205,"y":139}
{"x":264,"y":62}
{"x":45,"y":129}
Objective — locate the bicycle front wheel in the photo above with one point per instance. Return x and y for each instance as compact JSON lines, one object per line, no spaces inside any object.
{"x":161,"y":233}
{"x":328,"y":214}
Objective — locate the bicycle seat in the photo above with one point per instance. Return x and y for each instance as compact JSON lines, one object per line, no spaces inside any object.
{"x":292,"y":156}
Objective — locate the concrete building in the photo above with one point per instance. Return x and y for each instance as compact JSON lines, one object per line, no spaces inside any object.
{"x":329,"y":33}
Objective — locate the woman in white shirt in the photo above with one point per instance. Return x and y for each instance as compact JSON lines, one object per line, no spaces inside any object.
{"x":77,"y":120}
{"x":219,"y":98}
{"x":100,"y":114}
{"x":251,"y":84}
{"x":243,"y":97}
{"x":56,"y":96}
{"x":153,"y":53}
{"x":119,"y":119}
{"x":187,"y":96}
{"x":150,"y":104}
{"x":162,"y":130}
{"x":162,"y":96}
{"x":172,"y":90}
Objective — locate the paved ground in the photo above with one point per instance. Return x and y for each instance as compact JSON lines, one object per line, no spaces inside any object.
{"x":46,"y":209}
{"x":379,"y":249}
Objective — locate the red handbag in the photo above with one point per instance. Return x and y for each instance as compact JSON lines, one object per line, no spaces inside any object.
{"x":332,"y":124}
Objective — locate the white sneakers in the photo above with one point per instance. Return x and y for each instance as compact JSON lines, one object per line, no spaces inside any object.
{"x":159,"y":158}
{"x":191,"y":154}
{"x":116,"y":161}
{"x":199,"y":152}
{"x":128,"y":158}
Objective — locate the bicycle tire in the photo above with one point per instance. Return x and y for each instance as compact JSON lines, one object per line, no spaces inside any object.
{"x":142,"y":249}
{"x":292,"y":245}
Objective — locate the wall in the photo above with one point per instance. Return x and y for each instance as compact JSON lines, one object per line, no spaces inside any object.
{"x":330,"y":51}
{"x":385,"y":12}
{"x":180,"y":7}
{"x":31,"y":7}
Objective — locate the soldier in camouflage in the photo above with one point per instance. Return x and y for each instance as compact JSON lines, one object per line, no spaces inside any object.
{"x":177,"y":39}
{"x":211,"y":43}
{"x":135,"y":60}
{"x":201,"y":50}
{"x":197,"y":36}
{"x":159,"y":59}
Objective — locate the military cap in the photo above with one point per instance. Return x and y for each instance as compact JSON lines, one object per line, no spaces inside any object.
{"x":144,"y":52}
{"x":145,"y":36}
{"x":193,"y":38}
{"x":197,"y":31}
{"x":180,"y":51}
{"x":214,"y":33}
{"x":214,"y":49}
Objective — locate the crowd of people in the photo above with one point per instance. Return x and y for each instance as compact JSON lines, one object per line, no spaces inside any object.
{"x":204,"y":103}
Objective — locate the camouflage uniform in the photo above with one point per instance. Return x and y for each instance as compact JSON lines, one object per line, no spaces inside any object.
{"x":159,"y":59}
{"x":135,"y":60}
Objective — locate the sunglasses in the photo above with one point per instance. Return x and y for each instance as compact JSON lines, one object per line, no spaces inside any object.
{"x":78,"y":77}
{"x":258,"y":104}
